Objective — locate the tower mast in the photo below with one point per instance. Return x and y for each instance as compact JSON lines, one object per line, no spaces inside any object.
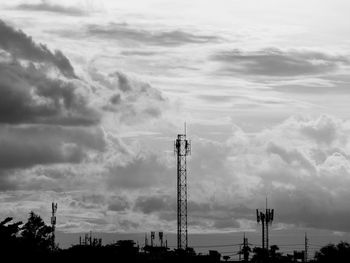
{"x":53,"y":224}
{"x":182,"y":148}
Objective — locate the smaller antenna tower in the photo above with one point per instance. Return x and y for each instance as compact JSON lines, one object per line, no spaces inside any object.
{"x":246,"y":249}
{"x":161,"y":235}
{"x":153,"y":235}
{"x":146,"y":240}
{"x":53,"y":224}
{"x":266,"y":221}
{"x":306,"y":248}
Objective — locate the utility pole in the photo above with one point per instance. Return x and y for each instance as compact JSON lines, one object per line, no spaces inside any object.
{"x":182,"y":148}
{"x":306,"y":248}
{"x":53,"y":224}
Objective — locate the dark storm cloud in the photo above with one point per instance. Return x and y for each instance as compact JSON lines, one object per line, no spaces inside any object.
{"x":278,"y":63}
{"x":218,"y":215}
{"x":26,"y":146}
{"x":315,"y":208}
{"x":118,"y":203}
{"x":124,"y":32}
{"x":6,"y":184}
{"x":140,"y":172}
{"x":27,"y":95}
{"x":21,"y":46}
{"x":224,"y":223}
{"x":151,"y":204}
{"x":48,"y":7}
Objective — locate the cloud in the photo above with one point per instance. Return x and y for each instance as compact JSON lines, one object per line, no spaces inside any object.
{"x":52,"y":143}
{"x":124,"y":33}
{"x":48,"y":119}
{"x":131,"y":100}
{"x":118,"y":203}
{"x":151,"y":204}
{"x":30,"y":92}
{"x":208,"y":213}
{"x":291,"y":157}
{"x":28,"y":95}
{"x":22,"y":46}
{"x":279,"y":63}
{"x":141,"y":171}
{"x":305,"y":174}
{"x":25,"y":146}
{"x":322,"y":130}
{"x":49,"y":7}
{"x":215,"y":98}
{"x":138,"y":53}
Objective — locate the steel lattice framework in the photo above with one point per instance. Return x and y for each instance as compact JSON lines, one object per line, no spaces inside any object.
{"x":182,"y":149}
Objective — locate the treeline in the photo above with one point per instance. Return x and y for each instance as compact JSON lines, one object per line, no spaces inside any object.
{"x":330,"y":253}
{"x":33,"y":240}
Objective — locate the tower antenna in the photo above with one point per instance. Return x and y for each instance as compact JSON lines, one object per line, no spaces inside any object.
{"x":266,"y":220}
{"x":53,"y":224}
{"x":182,"y":148}
{"x":306,"y":248}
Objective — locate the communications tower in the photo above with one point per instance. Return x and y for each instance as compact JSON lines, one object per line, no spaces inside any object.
{"x":182,"y":148}
{"x":53,"y":224}
{"x":266,"y":220}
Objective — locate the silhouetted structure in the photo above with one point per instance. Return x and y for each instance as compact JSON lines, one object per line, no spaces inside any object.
{"x":266,"y":220}
{"x":182,"y":148}
{"x":306,"y":248}
{"x":89,"y":240}
{"x":32,"y":242}
{"x":245,"y":249}
{"x":53,"y":224}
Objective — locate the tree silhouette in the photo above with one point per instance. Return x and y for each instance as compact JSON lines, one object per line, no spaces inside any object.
{"x":36,"y":235}
{"x":334,"y":253}
{"x":245,"y":252}
{"x":274,"y":255}
{"x":260,"y":255}
{"x":9,"y":233}
{"x":226,"y":258}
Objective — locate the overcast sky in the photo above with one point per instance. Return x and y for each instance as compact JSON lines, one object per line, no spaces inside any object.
{"x":93,"y":93}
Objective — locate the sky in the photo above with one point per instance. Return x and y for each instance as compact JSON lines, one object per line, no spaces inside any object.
{"x":93,"y":94}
